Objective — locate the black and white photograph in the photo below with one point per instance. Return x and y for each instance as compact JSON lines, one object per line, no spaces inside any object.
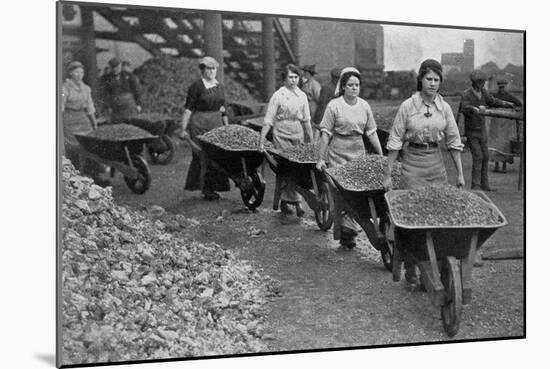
{"x":238,"y":183}
{"x":247,"y":185}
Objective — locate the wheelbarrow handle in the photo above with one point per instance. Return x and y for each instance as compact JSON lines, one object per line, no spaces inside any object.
{"x":194,"y":146}
{"x":270,"y":159}
{"x":328,"y":178}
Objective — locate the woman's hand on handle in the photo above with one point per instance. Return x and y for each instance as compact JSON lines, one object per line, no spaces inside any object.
{"x":321,"y":165}
{"x":387,"y":184}
{"x":460,"y":182}
{"x":183,"y":135}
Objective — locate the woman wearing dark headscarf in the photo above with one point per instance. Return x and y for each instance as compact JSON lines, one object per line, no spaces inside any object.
{"x":204,"y":111}
{"x":347,"y":119}
{"x":422,"y":121}
{"x":288,"y":114}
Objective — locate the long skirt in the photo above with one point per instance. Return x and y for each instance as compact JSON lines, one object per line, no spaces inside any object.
{"x":123,"y":107}
{"x":288,"y":133}
{"x":341,"y":150}
{"x":422,"y":166}
{"x":200,"y":123}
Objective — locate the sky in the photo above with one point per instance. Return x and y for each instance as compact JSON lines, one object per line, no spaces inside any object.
{"x":405,"y":47}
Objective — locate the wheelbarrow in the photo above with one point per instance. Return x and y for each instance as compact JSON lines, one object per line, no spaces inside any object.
{"x":242,"y":166}
{"x":444,"y":255}
{"x":162,"y":149}
{"x":308,"y":182}
{"x":369,"y":210}
{"x":124,"y":154}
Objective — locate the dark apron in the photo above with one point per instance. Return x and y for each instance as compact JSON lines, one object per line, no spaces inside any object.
{"x":200,"y":123}
{"x":123,"y":107}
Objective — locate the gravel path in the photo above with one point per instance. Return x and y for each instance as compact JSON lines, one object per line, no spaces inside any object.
{"x":333,"y":298}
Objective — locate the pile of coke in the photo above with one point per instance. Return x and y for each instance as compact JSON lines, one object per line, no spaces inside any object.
{"x":442,"y":205}
{"x":307,"y":153}
{"x":135,"y":286}
{"x":166,"y":79}
{"x":366,"y":174}
{"x":234,"y":137}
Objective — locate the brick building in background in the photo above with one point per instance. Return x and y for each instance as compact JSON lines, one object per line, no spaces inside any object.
{"x":329,"y":44}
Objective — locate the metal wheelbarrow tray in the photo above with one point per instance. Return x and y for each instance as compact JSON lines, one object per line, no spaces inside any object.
{"x":308,"y":182}
{"x":242,"y":166}
{"x":445,"y":257}
{"x":162,"y":149}
{"x":370,"y":210}
{"x":123,"y":154}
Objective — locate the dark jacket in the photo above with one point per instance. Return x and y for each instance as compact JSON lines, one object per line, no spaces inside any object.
{"x":506,"y":96}
{"x":472,"y":120}
{"x":114,"y":85}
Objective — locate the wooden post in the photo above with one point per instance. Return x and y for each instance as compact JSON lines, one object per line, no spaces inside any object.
{"x":88,"y":39}
{"x":213,"y":40}
{"x":295,"y":36}
{"x":268,"y":57}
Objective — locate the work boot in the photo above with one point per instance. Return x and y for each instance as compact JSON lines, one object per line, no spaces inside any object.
{"x":210,"y":195}
{"x":299,"y":210}
{"x":488,"y":189}
{"x":285,"y":208}
{"x":410,"y":274}
{"x":347,"y":238}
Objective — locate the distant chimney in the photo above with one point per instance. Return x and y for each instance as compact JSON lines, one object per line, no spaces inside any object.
{"x":468,"y":61}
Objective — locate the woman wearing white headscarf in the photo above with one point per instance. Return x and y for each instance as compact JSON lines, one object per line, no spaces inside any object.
{"x":347,"y":119}
{"x":204,"y":111}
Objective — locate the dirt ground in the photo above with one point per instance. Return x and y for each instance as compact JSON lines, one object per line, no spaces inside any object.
{"x":334,"y":298}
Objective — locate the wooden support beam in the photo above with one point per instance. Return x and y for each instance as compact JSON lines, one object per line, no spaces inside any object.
{"x":126,"y":29}
{"x":213,"y":39}
{"x":268,"y":51}
{"x":88,"y":40}
{"x":292,"y":52}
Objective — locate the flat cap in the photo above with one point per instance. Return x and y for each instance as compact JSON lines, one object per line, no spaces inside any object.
{"x":74,"y":64}
{"x":114,"y":62}
{"x":478,"y":75}
{"x":209,"y":62}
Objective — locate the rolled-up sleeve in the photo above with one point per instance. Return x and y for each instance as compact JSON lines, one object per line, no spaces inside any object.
{"x":329,"y":119}
{"x":395,"y":141}
{"x":90,"y":108}
{"x":271,"y":111}
{"x":452,"y":133}
{"x":370,"y":127}
{"x":305,"y":109}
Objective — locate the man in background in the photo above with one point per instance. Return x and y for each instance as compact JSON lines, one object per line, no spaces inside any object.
{"x":121,"y":92}
{"x":312,"y":89}
{"x":474,"y":100}
{"x":504,"y":95}
{"x":326,"y":94}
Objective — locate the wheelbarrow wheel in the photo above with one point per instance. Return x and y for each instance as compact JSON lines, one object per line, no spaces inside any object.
{"x":162,"y":151}
{"x":323,"y":214}
{"x":387,"y":250}
{"x":451,"y":309}
{"x":253,"y":191}
{"x":140,"y":184}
